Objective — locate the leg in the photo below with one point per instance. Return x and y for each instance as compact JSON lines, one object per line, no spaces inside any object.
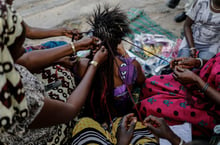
{"x":176,"y":111}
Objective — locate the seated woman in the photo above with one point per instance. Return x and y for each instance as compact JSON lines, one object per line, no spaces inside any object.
{"x":27,"y":115}
{"x":185,"y":96}
{"x":119,"y":75}
{"x":202,"y":30}
{"x":116,"y":79}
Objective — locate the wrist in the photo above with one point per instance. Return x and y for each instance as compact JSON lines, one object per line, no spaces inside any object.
{"x":94,"y":63}
{"x":196,"y":79}
{"x":72,"y":45}
{"x":192,"y":48}
{"x":77,"y":46}
{"x":175,"y":140}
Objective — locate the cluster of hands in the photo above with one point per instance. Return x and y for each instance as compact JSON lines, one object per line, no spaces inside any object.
{"x":157,"y":126}
{"x":182,"y":70}
{"x":92,"y":43}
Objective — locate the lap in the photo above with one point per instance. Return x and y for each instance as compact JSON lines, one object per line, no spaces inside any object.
{"x":95,"y":133}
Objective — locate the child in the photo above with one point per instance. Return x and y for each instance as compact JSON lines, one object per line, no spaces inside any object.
{"x":202,"y":28}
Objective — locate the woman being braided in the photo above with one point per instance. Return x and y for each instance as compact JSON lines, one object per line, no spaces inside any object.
{"x":115,"y":80}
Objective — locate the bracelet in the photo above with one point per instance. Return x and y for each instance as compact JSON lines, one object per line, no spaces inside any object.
{"x":93,"y":62}
{"x":205,"y":87}
{"x":73,"y":48}
{"x":201,"y":62}
{"x":181,"y":141}
{"x":192,"y":48}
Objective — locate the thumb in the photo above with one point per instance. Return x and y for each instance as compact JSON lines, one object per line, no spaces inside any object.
{"x":132,"y":126}
{"x":152,"y":129}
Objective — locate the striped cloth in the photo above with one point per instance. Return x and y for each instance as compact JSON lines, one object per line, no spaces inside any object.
{"x":141,"y":22}
{"x":89,"y":132}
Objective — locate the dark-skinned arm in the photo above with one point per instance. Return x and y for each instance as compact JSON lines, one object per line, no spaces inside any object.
{"x":56,"y":112}
{"x":159,"y":127}
{"x":40,"y":33}
{"x":186,"y":76}
{"x":187,"y":62}
{"x":188,"y":32}
{"x":39,"y":59}
{"x":212,"y":93}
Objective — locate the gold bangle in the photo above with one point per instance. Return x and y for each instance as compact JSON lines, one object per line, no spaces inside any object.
{"x":93,"y":62}
{"x":73,"y":48}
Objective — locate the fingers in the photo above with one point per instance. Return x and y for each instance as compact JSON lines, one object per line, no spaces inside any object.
{"x":152,"y":128}
{"x":151,"y":119}
{"x":132,"y":124}
{"x":96,"y":41}
{"x":126,"y":119}
{"x":177,"y":72}
{"x":129,"y":122}
{"x":176,"y":61}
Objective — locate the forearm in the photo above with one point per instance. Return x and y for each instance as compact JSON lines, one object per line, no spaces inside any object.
{"x":174,"y":139}
{"x":78,"y":97}
{"x":39,"y":59}
{"x":189,"y":37}
{"x":56,"y":112}
{"x":40,"y":33}
{"x":188,"y":32}
{"x":209,"y":92}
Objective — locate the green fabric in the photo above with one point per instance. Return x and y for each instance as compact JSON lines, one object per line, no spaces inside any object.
{"x":141,"y":22}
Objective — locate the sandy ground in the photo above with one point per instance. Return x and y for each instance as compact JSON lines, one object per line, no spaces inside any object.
{"x":73,"y":13}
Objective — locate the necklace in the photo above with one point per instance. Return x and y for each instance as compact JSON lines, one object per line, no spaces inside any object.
{"x":212,"y":4}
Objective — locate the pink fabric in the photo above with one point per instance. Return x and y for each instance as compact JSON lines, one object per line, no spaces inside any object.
{"x":165,"y":97}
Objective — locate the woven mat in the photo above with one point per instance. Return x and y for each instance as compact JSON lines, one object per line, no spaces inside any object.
{"x":141,"y":22}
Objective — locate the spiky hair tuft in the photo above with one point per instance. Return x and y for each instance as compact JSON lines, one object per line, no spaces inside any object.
{"x":109,"y":24}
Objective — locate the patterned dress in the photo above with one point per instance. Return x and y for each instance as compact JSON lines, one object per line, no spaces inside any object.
{"x":166,"y":97}
{"x":34,"y":93}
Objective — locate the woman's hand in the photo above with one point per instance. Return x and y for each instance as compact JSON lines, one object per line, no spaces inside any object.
{"x":185,"y":76}
{"x":68,"y":61}
{"x":87,"y":43}
{"x":74,"y":34}
{"x":126,"y":129}
{"x":184,"y":62}
{"x":159,"y":127}
{"x":101,"y":55}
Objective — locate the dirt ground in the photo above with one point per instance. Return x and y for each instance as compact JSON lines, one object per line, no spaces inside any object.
{"x":73,"y":13}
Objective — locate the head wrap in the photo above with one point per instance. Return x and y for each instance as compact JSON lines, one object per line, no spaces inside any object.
{"x":13,"y":106}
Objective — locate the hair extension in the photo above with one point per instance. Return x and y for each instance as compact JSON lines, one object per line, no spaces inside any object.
{"x":110,"y":25}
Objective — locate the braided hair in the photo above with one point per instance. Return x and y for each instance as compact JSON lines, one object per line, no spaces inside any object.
{"x":110,"y":25}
